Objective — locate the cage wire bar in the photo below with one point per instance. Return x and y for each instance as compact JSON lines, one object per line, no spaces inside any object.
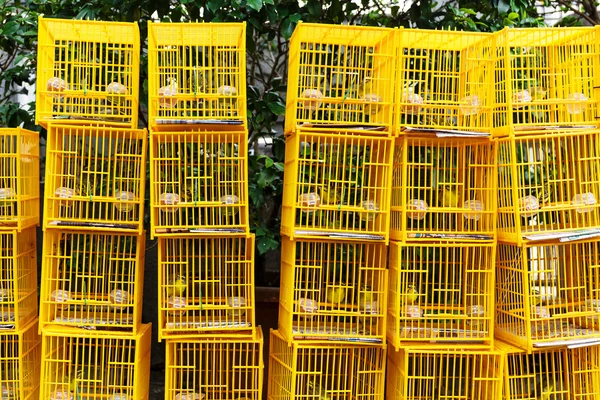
{"x":445,"y":81}
{"x":546,"y":79}
{"x":199,"y":182}
{"x":556,"y":372}
{"x":305,"y":370}
{"x":441,"y":293}
{"x":341,"y":77}
{"x":95,"y":178}
{"x":20,"y":361}
{"x":337,"y":186}
{"x":19,"y":178}
{"x":213,"y":367}
{"x":87,"y":71}
{"x":548,"y":185}
{"x":443,"y":188}
{"x":92,"y":279}
{"x":206,"y":286}
{"x":548,"y":293}
{"x":93,"y":364}
{"x":333,"y":290}
{"x":197,"y":75}
{"x":18,"y":279}
{"x":454,"y":374}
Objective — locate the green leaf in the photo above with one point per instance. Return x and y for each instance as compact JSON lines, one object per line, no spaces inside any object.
{"x":269,"y":2}
{"x":315,"y":8}
{"x":10,"y":28}
{"x":214,"y":5}
{"x":503,"y":6}
{"x":269,"y":162}
{"x":264,"y":244}
{"x":255,"y":4}
{"x":277,"y":108}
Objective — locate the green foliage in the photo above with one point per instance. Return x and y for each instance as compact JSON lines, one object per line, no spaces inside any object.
{"x":270,"y":24}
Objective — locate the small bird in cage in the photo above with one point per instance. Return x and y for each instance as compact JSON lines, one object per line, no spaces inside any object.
{"x":177,"y":286}
{"x":335,"y":294}
{"x":315,"y":389}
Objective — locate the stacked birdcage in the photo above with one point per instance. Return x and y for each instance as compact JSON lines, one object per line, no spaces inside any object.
{"x":93,"y":341}
{"x":336,"y":214}
{"x":199,"y":210}
{"x":546,"y":124}
{"x":443,"y":219}
{"x":19,"y":215}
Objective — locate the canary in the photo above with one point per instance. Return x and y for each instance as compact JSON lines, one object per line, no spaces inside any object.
{"x":411,"y":295}
{"x":77,"y":380}
{"x":335,"y":295}
{"x":329,"y":196}
{"x":449,"y":198}
{"x":196,"y":82}
{"x":177,"y":286}
{"x":547,"y":392}
{"x":368,"y":94}
{"x":316,"y":389}
{"x":537,"y":93}
{"x":535,"y":297}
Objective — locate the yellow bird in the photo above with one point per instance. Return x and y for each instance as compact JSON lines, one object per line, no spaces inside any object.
{"x":535,"y":297}
{"x":316,"y":389}
{"x":77,"y":380}
{"x":449,"y":198}
{"x":329,"y":196}
{"x":177,"y":286}
{"x":547,"y":392}
{"x":335,"y":295}
{"x":411,"y":295}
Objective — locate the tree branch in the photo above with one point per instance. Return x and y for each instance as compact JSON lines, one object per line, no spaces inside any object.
{"x":576,"y":11}
{"x":591,"y":9}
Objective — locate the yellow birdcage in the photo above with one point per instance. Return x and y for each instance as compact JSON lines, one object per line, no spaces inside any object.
{"x":333,"y":291}
{"x":20,"y":359}
{"x":443,"y":188}
{"x":445,"y":81}
{"x":312,"y":370}
{"x":18,"y":279}
{"x":206,"y":284}
{"x":421,"y":373}
{"x":199,"y":182}
{"x":548,"y":293}
{"x":79,"y":364}
{"x":19,"y":178}
{"x":441,"y":293}
{"x":92,"y":280}
{"x":197,"y":74}
{"x":553,"y":373}
{"x":341,"y":76}
{"x":95,"y":178}
{"x":87,"y":71}
{"x":337,"y":186}
{"x":214,"y":368}
{"x":546,"y":78}
{"x":548,"y":186}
